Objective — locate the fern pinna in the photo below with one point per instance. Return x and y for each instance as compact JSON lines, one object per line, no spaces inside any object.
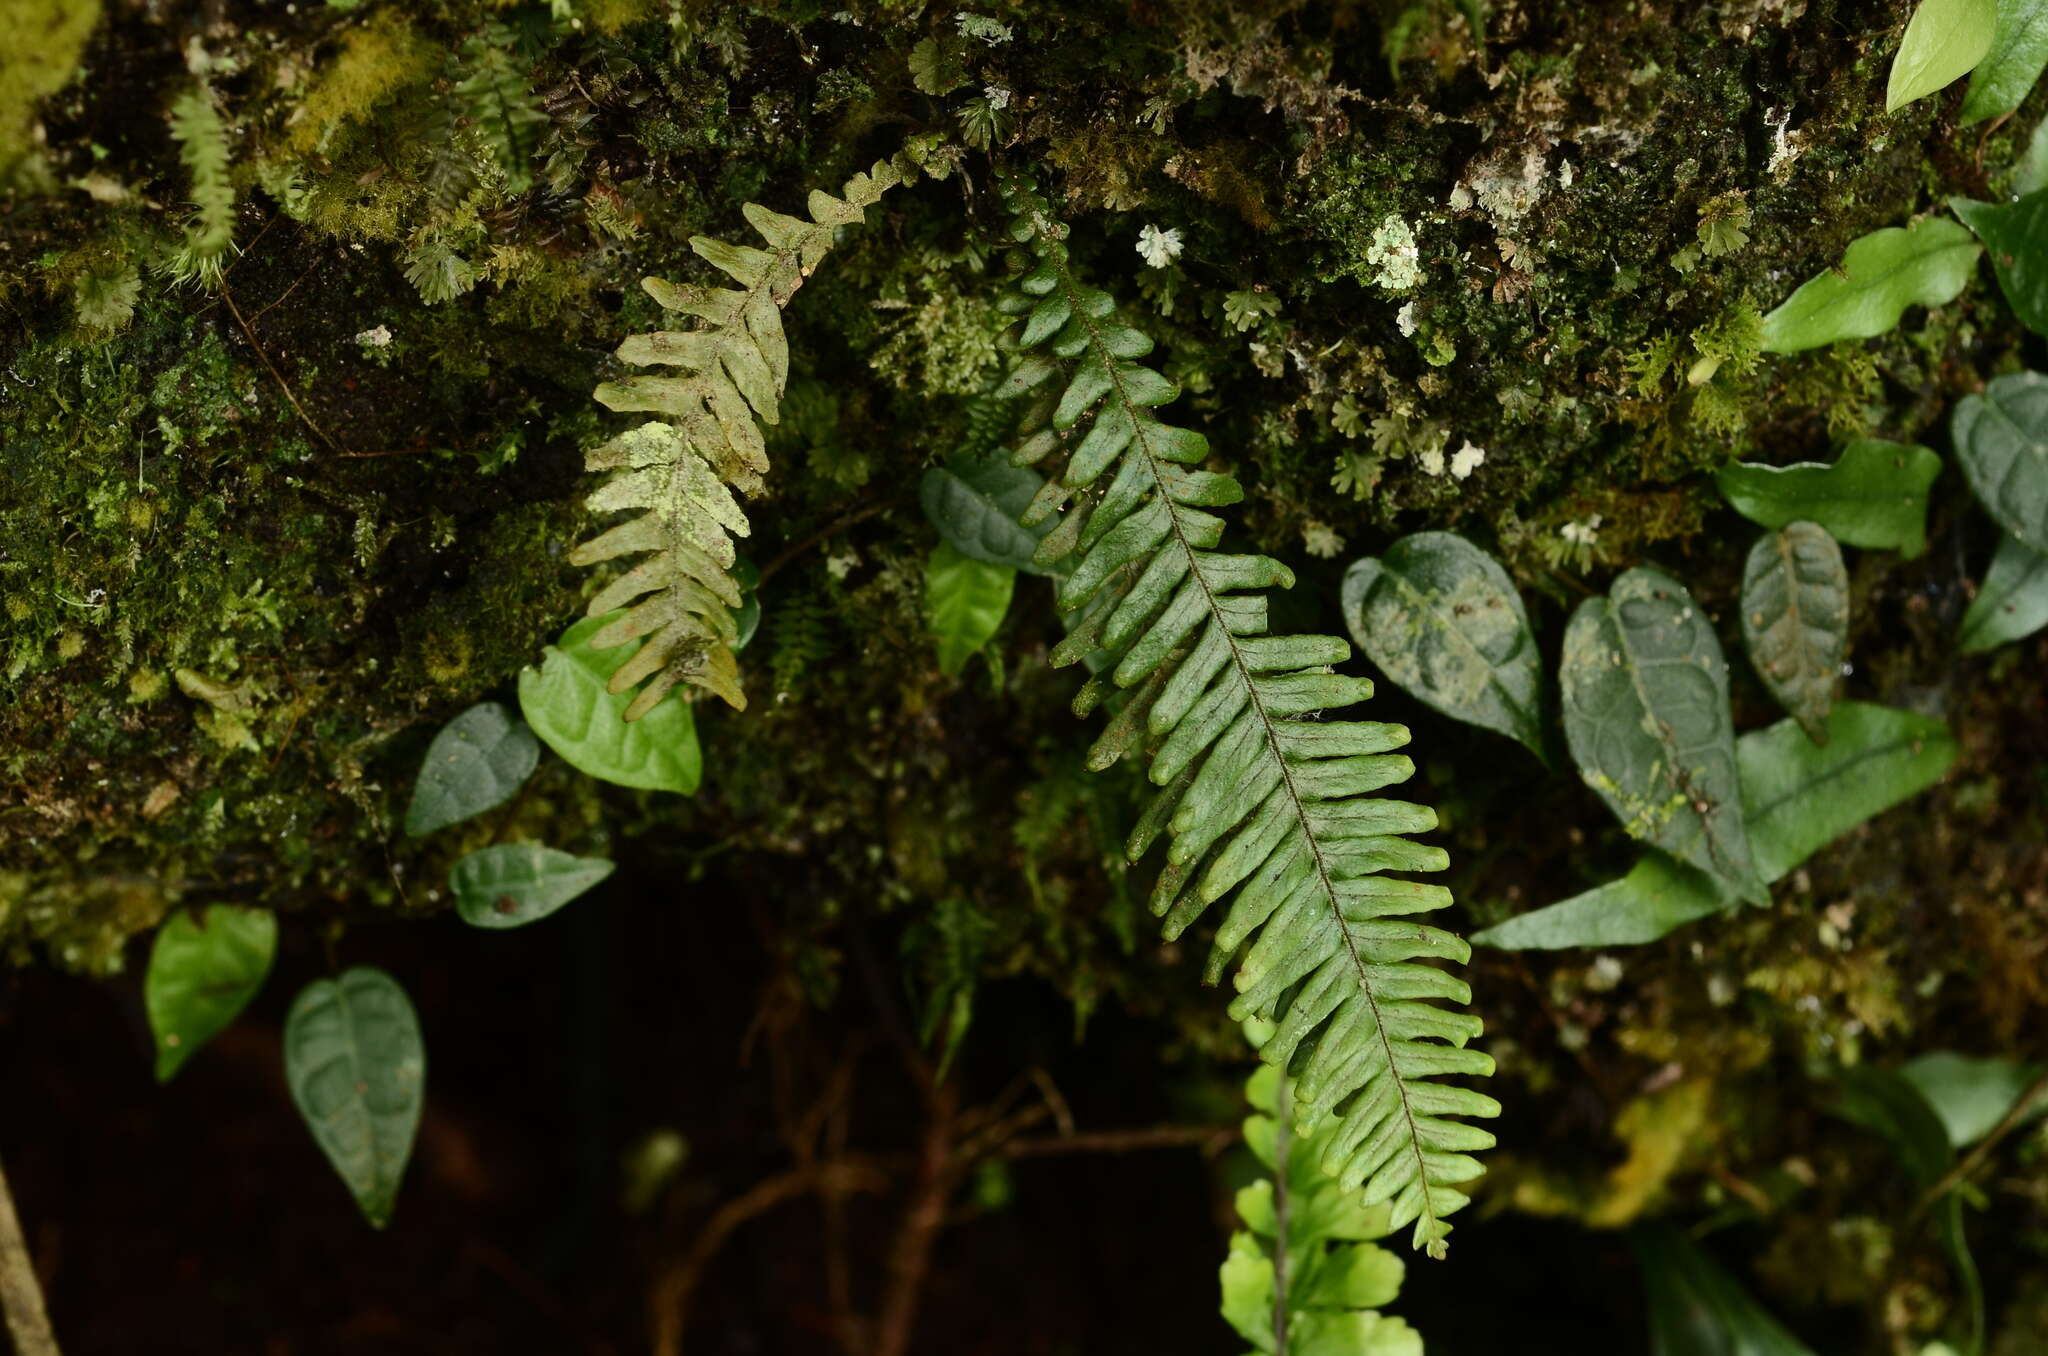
{"x":1265,"y":802}
{"x":677,"y":471}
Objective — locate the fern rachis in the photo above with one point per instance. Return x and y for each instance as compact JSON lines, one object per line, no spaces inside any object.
{"x":1262,"y":804}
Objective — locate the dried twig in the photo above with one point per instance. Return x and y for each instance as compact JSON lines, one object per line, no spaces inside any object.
{"x":21,"y":1294}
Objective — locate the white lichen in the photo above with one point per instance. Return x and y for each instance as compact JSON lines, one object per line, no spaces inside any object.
{"x":1321,"y":540}
{"x":1394,"y":256}
{"x":1467,"y":459}
{"x":1159,"y":248}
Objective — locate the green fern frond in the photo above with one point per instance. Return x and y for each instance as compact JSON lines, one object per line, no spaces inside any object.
{"x":203,"y":147}
{"x":1266,"y":804}
{"x":501,"y":105}
{"x":733,"y":369}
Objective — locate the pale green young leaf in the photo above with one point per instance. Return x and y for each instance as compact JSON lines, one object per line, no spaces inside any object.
{"x":2016,"y":234}
{"x":569,"y":706}
{"x":2030,"y":173}
{"x":1944,"y":40}
{"x":478,"y":761}
{"x":1441,"y":618}
{"x":1795,"y":619}
{"x":975,"y":499}
{"x":2011,"y":603}
{"x":965,"y":602}
{"x":1925,"y":264}
{"x":1657,"y":896}
{"x":2001,"y":438}
{"x":2018,"y":55}
{"x":1873,"y":496}
{"x":1646,"y":713}
{"x":204,"y":967}
{"x":357,"y":1068}
{"x":509,"y":885}
{"x":1798,"y":796}
{"x":1972,"y":1094}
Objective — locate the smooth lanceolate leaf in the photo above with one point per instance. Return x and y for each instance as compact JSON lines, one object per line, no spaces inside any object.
{"x":965,"y":600}
{"x":568,"y":704}
{"x":204,"y":968}
{"x":1441,"y":618}
{"x":975,"y":500}
{"x":1795,"y":619}
{"x":357,"y":1067}
{"x":512,"y":884}
{"x":1925,"y":264}
{"x":1646,"y":713}
{"x":2001,"y":438}
{"x":1799,"y":796}
{"x":2011,"y":603}
{"x":479,"y":760}
{"x":1657,"y":896}
{"x":2019,"y":53}
{"x":1943,"y":42}
{"x":2016,"y":233}
{"x":1874,"y":496}
{"x":1697,"y":1309}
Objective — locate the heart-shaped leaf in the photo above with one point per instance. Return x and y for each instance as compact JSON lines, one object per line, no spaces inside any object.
{"x":477,"y":761}
{"x":566,"y":703}
{"x":1441,"y":618}
{"x":2012,"y":602}
{"x":1795,"y":619}
{"x":204,"y":968}
{"x":1874,"y":496}
{"x":1943,"y":41}
{"x":513,"y":884}
{"x":1881,"y":274}
{"x":965,"y":601}
{"x":1646,"y":712}
{"x":2016,"y":233}
{"x":2018,"y":55}
{"x":975,"y":500}
{"x":1657,"y":896}
{"x":1799,"y":796}
{"x":358,"y":1073}
{"x":2001,"y":438}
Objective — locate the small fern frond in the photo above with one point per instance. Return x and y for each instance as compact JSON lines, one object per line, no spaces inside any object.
{"x":203,"y":147}
{"x":501,"y":105}
{"x":733,"y":367}
{"x":1265,"y":804}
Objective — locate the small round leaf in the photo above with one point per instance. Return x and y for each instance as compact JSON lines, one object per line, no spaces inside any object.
{"x":513,"y":884}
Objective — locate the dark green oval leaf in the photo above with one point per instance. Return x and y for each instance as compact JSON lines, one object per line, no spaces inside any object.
{"x":2001,"y":438}
{"x":1799,"y":796}
{"x":1442,"y":619}
{"x":1925,"y":264}
{"x":1795,"y":619}
{"x":2019,"y":53}
{"x":2012,"y":602}
{"x":1874,"y":496}
{"x":513,"y":884}
{"x":1943,"y":41}
{"x":358,"y":1073}
{"x":566,"y":704}
{"x":965,"y":601}
{"x":1646,"y":712}
{"x":1657,"y":896}
{"x":477,"y":761}
{"x":1697,"y":1309}
{"x":975,"y":500}
{"x":2017,"y":235}
{"x":204,"y":968}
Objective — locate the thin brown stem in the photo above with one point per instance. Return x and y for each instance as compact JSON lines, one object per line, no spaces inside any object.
{"x":923,"y":1217}
{"x":1969,"y":1163}
{"x":21,"y":1294}
{"x":1205,"y":1137}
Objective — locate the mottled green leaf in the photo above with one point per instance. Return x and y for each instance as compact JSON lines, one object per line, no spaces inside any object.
{"x":2018,"y":55}
{"x":566,"y":703}
{"x":1657,"y":896}
{"x":1645,"y":692}
{"x":1799,"y":796}
{"x":478,"y":760}
{"x":512,"y":884}
{"x":2016,"y":233}
{"x":965,"y":601}
{"x":1944,"y":40}
{"x":1874,"y":496}
{"x":1697,"y":1309}
{"x":975,"y":500}
{"x":204,"y":967}
{"x":1971,"y":1095}
{"x":2012,"y":602}
{"x":1881,"y":274}
{"x":358,"y":1074}
{"x":2001,"y":438}
{"x":1795,"y":619}
{"x":1442,"y":619}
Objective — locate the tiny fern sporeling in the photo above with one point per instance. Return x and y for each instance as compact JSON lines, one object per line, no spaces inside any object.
{"x":1265,"y":803}
{"x":681,"y":594}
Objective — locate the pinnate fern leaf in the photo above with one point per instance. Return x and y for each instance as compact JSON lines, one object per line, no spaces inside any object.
{"x":1267,"y":806}
{"x":677,"y":473}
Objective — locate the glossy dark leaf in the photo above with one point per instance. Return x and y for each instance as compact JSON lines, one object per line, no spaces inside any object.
{"x":204,"y":967}
{"x":975,"y":500}
{"x":2001,"y":438}
{"x":478,"y":760}
{"x":1873,"y":496}
{"x":2016,"y":233}
{"x":2012,"y":602}
{"x":1697,"y":1309}
{"x":2018,"y":55}
{"x":1795,"y":620}
{"x":357,"y":1068}
{"x":512,"y":884}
